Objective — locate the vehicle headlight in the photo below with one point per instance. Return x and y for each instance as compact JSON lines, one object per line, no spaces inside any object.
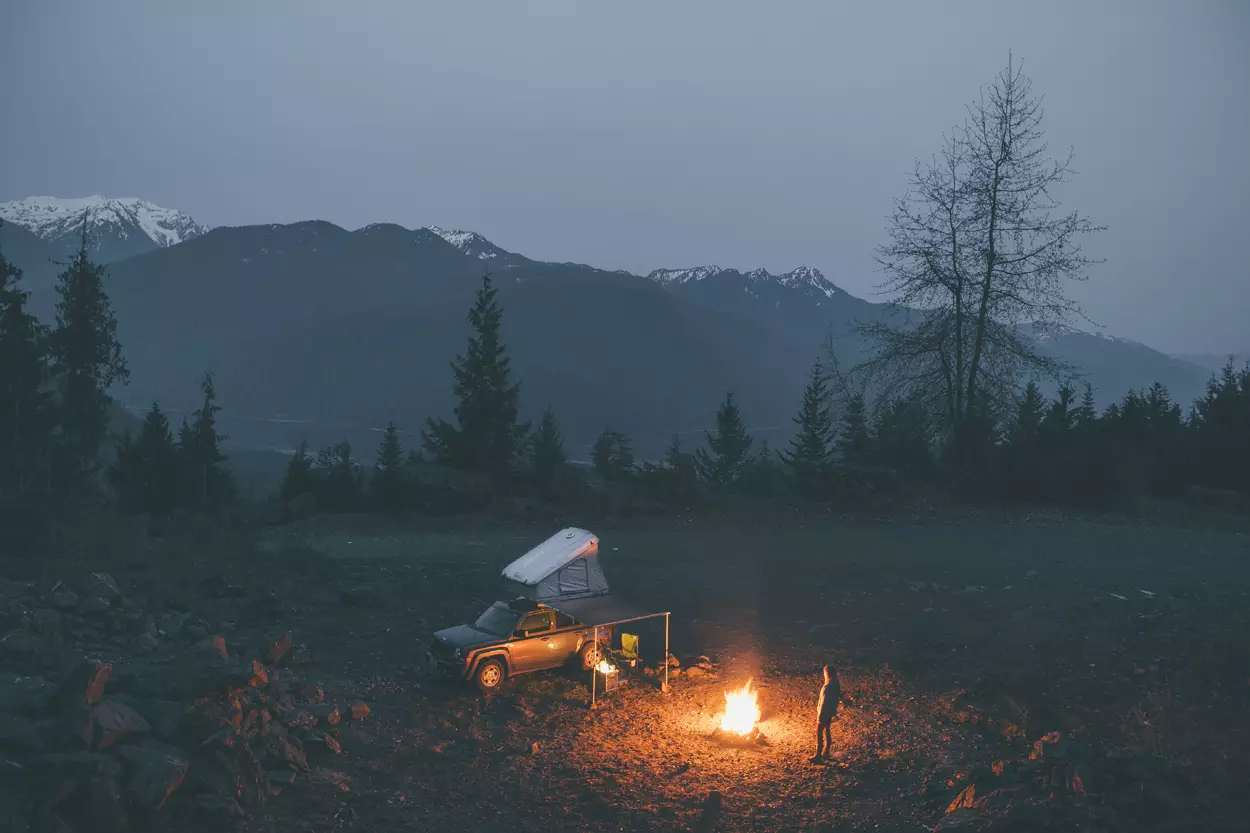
{"x":458,"y":653}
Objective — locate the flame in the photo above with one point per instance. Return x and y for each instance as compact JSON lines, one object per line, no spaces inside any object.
{"x":742,"y":711}
{"x":605,"y":667}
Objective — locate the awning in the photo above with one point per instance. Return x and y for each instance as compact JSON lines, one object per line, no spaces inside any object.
{"x":604,"y":610}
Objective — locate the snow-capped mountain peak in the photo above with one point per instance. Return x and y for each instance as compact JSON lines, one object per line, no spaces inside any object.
{"x":800,"y":278}
{"x":469,"y":242}
{"x":59,"y":218}
{"x":667,"y":277}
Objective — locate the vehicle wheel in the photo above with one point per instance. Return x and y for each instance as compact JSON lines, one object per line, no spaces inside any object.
{"x":590,"y":656}
{"x":489,"y":676}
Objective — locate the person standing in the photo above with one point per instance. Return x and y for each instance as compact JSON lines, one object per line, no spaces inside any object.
{"x":826,"y":711}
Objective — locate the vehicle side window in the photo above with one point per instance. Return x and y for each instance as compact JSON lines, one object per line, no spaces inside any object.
{"x":563,"y":620}
{"x":535,"y":622}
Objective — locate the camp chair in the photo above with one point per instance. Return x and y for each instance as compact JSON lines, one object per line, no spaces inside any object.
{"x":629,"y":648}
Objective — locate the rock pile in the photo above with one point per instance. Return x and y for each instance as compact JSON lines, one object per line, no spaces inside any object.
{"x":112,"y":717}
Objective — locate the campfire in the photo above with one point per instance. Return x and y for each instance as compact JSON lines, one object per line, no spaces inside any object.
{"x":605,"y":667}
{"x":742,"y":714}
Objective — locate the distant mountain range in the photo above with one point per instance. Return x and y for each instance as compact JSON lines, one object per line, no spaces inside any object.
{"x":116,"y":227}
{"x":317,"y":332}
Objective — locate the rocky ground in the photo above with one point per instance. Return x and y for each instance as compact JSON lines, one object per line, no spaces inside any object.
{"x":1017,"y":674}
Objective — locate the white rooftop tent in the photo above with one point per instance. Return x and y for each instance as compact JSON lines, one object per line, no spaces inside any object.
{"x":565,"y":566}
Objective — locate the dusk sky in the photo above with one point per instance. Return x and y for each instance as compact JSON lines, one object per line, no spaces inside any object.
{"x":644,"y":135}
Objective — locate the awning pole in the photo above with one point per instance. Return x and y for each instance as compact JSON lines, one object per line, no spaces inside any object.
{"x":666,"y":653}
{"x":594,"y":666}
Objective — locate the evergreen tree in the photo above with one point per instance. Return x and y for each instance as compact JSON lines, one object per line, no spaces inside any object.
{"x":729,"y":450}
{"x":486,"y":437}
{"x":1087,"y":413}
{"x":855,"y":442}
{"x":1221,"y":436}
{"x":209,"y":483}
{"x":673,"y":455}
{"x":811,"y":453}
{"x":341,"y":482}
{"x":147,"y":473}
{"x":299,"y":478}
{"x":613,"y":456}
{"x":388,"y":476}
{"x":27,"y":417}
{"x":86,"y":362}
{"x":547,"y":453}
{"x":1026,"y":424}
{"x":903,"y":436}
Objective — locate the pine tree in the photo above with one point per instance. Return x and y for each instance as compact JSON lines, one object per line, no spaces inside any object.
{"x":147,"y":473}
{"x":903,"y":438}
{"x":613,"y":456}
{"x":299,"y":478}
{"x":810,"y":457}
{"x":27,"y":416}
{"x":341,"y":486}
{"x":388,"y":476}
{"x":547,"y":452}
{"x":486,"y":437}
{"x":855,"y":442}
{"x":209,"y":483}
{"x":86,"y":362}
{"x":1026,"y":424}
{"x":729,"y":450}
{"x":1086,"y":413}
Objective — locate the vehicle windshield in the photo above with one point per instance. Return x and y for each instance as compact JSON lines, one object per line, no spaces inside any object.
{"x":498,"y":619}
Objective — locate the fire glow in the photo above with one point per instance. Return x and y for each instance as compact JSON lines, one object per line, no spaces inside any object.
{"x":742,"y":711}
{"x":605,"y":667}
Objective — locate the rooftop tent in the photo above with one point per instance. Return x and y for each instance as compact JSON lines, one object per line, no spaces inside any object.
{"x":565,"y":566}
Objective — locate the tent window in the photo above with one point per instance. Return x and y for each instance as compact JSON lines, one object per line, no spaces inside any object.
{"x":573,"y":577}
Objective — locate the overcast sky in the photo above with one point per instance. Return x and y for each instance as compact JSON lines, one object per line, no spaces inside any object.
{"x":642,"y":135}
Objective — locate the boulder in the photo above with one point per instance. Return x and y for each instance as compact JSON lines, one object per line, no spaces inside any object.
{"x":27,"y":695}
{"x":45,"y":620}
{"x":156,"y":770}
{"x":105,"y":808}
{"x":1051,"y":746}
{"x":20,"y":642}
{"x":64,"y":600}
{"x":166,"y":717}
{"x":102,"y":586}
{"x":94,"y":606}
{"x":85,"y":683}
{"x":172,"y":624}
{"x":279,"y":650}
{"x":324,"y":711}
{"x":19,"y":734}
{"x":695,"y":672}
{"x":113,"y":721}
{"x":283,"y":751}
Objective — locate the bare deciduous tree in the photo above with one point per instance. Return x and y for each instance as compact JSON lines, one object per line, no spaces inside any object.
{"x":977,"y":261}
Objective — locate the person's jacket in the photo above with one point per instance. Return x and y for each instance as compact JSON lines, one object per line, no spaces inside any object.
{"x":827,"y":705}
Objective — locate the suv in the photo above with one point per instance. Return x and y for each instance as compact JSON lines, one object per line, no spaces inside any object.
{"x":516,"y":637}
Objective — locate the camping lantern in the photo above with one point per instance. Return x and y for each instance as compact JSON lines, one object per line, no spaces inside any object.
{"x":607,"y":676}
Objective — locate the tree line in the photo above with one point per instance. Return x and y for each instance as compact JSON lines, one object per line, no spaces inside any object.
{"x":56,"y":410}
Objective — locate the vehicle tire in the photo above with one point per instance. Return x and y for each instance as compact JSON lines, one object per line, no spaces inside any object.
{"x":489,"y":676}
{"x":590,"y":655}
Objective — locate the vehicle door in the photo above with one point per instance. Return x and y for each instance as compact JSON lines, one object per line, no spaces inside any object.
{"x":532,"y":648}
{"x":566,"y":638}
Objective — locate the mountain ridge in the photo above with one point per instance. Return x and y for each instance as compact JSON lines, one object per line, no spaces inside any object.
{"x":348,"y":329}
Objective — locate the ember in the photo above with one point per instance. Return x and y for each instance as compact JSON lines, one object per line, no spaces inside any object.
{"x":742,"y":711}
